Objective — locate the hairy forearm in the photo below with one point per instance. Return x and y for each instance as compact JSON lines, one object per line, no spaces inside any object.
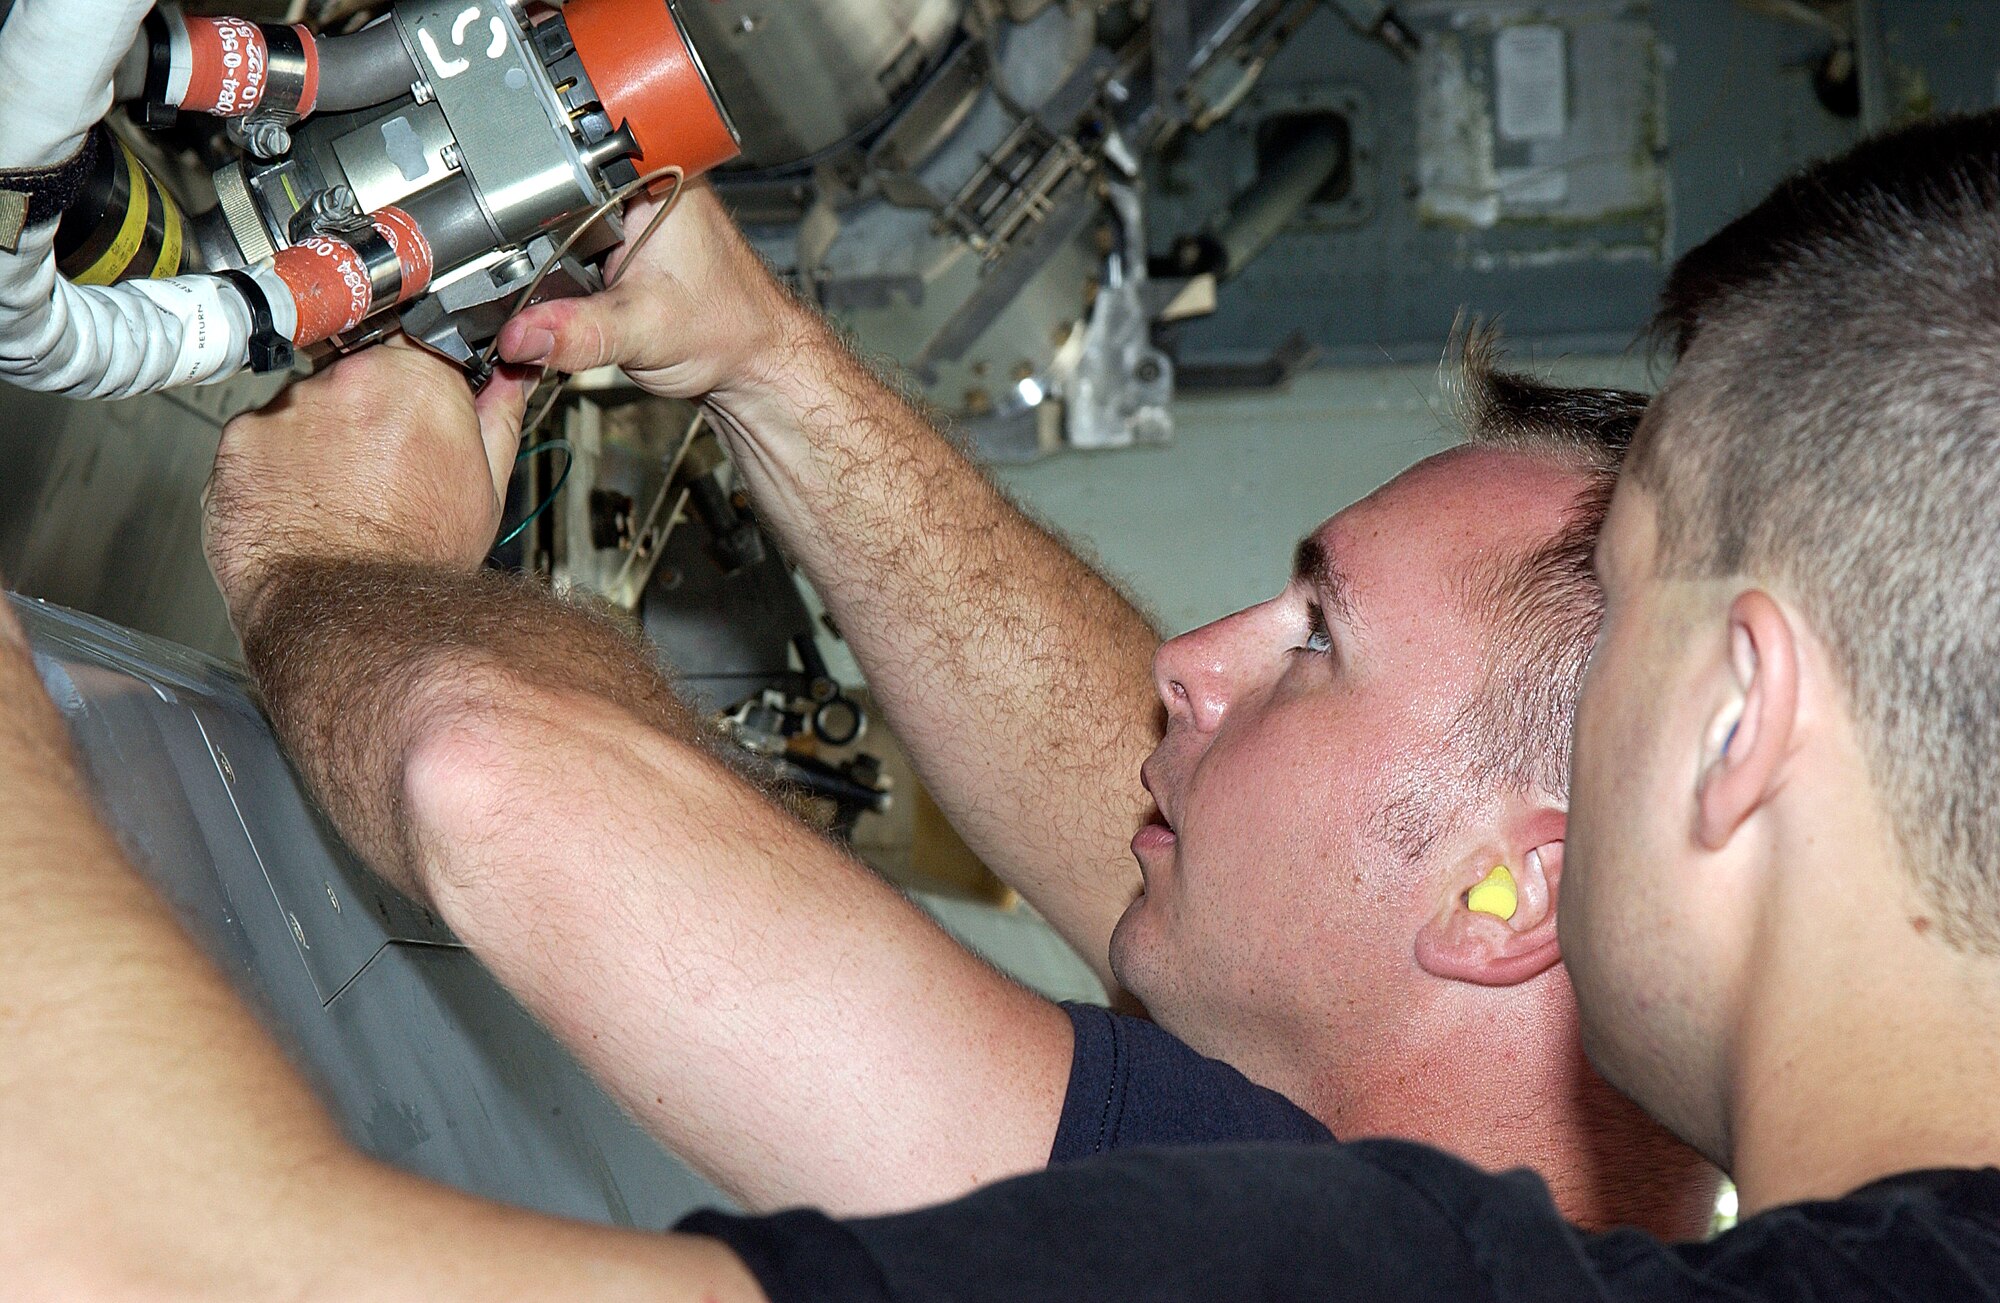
{"x":758,"y":1000}
{"x":340,"y":649}
{"x":1018,"y":678}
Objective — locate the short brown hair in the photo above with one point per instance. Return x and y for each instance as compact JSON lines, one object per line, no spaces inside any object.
{"x":1541,"y":610}
{"x":1833,"y":427}
{"x":1544,"y":609}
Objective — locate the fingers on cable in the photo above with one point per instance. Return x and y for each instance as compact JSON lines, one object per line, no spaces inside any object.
{"x":530,"y":338}
{"x":501,"y":405}
{"x":576,"y":334}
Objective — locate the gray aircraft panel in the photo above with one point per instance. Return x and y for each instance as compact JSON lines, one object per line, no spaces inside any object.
{"x":428,"y":1063}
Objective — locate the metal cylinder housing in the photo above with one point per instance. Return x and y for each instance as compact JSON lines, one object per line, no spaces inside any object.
{"x":800,"y":78}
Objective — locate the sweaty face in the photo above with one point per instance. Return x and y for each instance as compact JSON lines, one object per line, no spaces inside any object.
{"x":1644,"y":927}
{"x":1309,"y":752}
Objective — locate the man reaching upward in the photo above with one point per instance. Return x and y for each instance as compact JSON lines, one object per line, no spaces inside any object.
{"x":1343,"y":765}
{"x":1784,"y":818}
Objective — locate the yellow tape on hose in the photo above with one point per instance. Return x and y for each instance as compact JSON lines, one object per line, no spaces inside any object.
{"x":169,"y":263}
{"x":131,"y":233}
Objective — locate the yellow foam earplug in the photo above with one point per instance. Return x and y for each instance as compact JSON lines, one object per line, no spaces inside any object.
{"x":1495,"y":896}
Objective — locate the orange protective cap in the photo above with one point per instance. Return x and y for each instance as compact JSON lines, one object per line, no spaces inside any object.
{"x":650,"y":79}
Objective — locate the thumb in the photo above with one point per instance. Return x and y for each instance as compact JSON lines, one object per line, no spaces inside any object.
{"x":500,"y":407}
{"x":577,"y":335}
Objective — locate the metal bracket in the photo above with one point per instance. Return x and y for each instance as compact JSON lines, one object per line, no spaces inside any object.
{"x":1115,"y":384}
{"x":1015,"y":188}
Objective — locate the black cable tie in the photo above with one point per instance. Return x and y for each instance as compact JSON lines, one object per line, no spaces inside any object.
{"x":269,"y":351}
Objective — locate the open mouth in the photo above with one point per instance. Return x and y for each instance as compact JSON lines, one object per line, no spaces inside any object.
{"x":1156,"y":834}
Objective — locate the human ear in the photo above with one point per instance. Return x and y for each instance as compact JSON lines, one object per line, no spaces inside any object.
{"x":1464,"y":942}
{"x":1749,"y":738}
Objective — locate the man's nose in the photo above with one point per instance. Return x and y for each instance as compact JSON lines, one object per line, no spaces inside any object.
{"x":1201,"y":672}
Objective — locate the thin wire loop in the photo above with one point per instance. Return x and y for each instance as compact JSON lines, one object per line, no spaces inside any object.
{"x":569,"y":460}
{"x":624,"y":195}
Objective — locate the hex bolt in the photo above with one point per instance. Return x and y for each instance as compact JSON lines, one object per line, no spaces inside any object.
{"x":267,"y":138}
{"x":333,"y":207}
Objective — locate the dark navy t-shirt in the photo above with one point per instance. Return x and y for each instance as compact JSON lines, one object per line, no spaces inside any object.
{"x":1132,"y":1084}
{"x":1377,"y":1221}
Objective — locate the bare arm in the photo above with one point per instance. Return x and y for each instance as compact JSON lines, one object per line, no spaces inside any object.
{"x":762,"y":1003}
{"x":153,"y":1141}
{"x":1019,"y":680}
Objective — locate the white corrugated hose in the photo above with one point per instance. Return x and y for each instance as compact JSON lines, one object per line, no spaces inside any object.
{"x":113,"y":341}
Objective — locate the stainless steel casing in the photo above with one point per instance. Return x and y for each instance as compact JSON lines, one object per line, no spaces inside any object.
{"x":799,"y":78}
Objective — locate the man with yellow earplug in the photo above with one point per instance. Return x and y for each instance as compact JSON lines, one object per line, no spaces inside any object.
{"x":1317,"y":784}
{"x":1785,"y":945}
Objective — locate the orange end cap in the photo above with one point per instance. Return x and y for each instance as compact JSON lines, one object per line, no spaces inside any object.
{"x":649,"y":78}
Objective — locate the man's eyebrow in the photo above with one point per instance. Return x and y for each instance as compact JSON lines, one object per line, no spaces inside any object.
{"x":1313,"y":563}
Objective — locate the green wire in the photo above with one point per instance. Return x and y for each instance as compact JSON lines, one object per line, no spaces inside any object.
{"x":569,"y":460}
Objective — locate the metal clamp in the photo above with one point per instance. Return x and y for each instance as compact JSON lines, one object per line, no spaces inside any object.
{"x":335,"y":212}
{"x":266,"y":130}
{"x":385,"y":269}
{"x":286,"y":70}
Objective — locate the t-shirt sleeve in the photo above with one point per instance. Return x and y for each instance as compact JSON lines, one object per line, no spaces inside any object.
{"x":1256,"y":1221}
{"x":798,"y":1255}
{"x":1385,"y":1221}
{"x":1134,"y":1085}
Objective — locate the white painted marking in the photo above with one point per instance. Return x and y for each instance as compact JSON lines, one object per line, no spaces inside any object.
{"x":446,"y":68}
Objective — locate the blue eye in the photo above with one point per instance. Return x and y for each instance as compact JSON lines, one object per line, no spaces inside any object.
{"x":1318,"y":641}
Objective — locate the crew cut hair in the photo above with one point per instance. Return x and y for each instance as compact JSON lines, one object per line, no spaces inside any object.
{"x":1833,"y":428}
{"x":1543,"y":610}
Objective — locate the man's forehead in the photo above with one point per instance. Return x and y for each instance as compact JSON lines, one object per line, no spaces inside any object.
{"x":1485,"y":482}
{"x":1399,"y":581}
{"x":1366,"y":565}
{"x":1478,"y":501}
{"x":1427,"y":525}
